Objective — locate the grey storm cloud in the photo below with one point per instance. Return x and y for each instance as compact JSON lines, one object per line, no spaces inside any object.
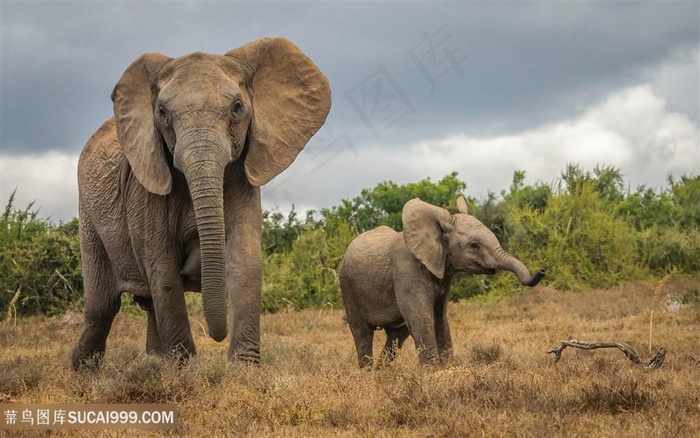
{"x":514,"y":65}
{"x":419,"y":89}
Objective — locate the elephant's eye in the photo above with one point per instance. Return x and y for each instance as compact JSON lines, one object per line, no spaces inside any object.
{"x":163,"y":115}
{"x":474,"y":245}
{"x":237,"y":108}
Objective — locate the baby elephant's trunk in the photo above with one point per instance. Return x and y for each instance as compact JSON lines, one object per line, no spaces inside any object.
{"x":510,"y":263}
{"x":539,"y":275}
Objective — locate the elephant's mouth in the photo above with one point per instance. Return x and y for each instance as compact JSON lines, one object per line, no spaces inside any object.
{"x":485,"y":270}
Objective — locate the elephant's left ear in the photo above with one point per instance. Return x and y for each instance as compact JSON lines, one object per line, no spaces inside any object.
{"x":291,"y":99}
{"x":423,"y":227}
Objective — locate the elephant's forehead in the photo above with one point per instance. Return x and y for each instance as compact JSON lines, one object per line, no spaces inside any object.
{"x":204,"y":60}
{"x":201,"y":68}
{"x":206,"y":73}
{"x":205,"y":83}
{"x":467,"y":223}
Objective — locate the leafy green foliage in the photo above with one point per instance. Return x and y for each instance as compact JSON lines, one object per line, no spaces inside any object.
{"x":307,"y":275}
{"x":304,"y":274}
{"x":662,"y":248}
{"x":278,"y":232}
{"x":606,"y":181}
{"x":585,"y":229}
{"x":383,"y":204}
{"x":667,"y":224}
{"x":577,"y":238}
{"x":685,"y":195}
{"x":40,"y":271}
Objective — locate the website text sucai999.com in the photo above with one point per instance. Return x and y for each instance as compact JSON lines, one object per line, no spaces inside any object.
{"x":95,"y":416}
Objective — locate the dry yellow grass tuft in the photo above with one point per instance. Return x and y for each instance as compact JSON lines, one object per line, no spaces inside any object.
{"x":500,"y":383}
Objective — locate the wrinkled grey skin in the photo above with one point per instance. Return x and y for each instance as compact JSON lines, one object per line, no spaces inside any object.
{"x":169,"y":190}
{"x":400,"y":282}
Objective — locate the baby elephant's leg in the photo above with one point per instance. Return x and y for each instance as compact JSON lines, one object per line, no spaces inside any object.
{"x":442,"y":332}
{"x":418,"y":314}
{"x":364,"y":338}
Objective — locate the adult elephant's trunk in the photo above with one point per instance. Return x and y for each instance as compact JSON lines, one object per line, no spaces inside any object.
{"x":203,"y":165}
{"x":510,"y":263}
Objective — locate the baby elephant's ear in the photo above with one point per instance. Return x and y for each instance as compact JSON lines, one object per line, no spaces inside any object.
{"x":423,"y":226}
{"x":462,"y":205}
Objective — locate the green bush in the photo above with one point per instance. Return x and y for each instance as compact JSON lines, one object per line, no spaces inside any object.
{"x":306,"y":276}
{"x":663,"y":248}
{"x":584,"y":229}
{"x":577,"y":239}
{"x":40,"y":271}
{"x":383,"y":204}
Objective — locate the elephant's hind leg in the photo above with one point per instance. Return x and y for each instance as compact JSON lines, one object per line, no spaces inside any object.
{"x":102,"y":301}
{"x":363,"y":334}
{"x":395,"y":337}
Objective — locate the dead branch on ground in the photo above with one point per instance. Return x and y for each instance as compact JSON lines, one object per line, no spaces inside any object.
{"x":654,"y":363}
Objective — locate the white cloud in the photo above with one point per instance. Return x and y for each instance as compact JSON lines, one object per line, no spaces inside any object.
{"x":632,"y":130}
{"x":678,"y":81}
{"x":49,"y":180}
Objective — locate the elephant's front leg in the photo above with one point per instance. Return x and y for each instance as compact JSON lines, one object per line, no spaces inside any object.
{"x":417,"y":310}
{"x":170,"y":310}
{"x":244,"y":284}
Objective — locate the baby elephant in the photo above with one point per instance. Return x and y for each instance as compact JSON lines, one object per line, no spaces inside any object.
{"x":400,"y":282}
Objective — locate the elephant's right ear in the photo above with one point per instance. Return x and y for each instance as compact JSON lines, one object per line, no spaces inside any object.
{"x":423,"y":227}
{"x":136,"y":130}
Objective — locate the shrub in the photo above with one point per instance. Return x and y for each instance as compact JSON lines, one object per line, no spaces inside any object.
{"x":40,"y":271}
{"x":578,"y":239}
{"x":583,"y":229}
{"x":306,"y":276}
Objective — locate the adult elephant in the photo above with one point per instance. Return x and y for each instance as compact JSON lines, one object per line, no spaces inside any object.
{"x":170,"y":190}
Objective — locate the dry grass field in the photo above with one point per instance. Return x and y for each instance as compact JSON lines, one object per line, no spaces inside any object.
{"x":500,"y":383}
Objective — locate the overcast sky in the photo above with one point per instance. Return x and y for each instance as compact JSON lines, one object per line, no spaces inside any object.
{"x":419,"y":90}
